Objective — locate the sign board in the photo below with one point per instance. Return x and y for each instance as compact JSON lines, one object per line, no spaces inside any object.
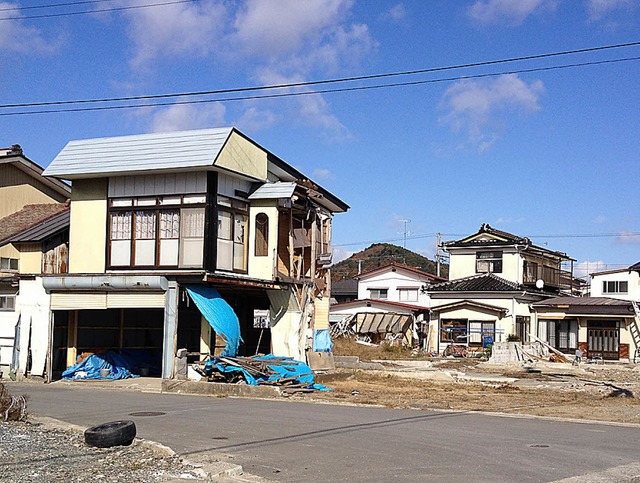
{"x":487,"y":340}
{"x":261,"y":319}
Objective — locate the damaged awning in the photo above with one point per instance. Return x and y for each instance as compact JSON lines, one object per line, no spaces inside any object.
{"x":219,"y":314}
{"x":382,"y":323}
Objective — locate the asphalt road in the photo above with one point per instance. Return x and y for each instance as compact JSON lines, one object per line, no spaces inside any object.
{"x":294,"y":441}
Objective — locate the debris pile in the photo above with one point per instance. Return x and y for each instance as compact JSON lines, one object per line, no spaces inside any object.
{"x":12,"y":408}
{"x":290,"y":375}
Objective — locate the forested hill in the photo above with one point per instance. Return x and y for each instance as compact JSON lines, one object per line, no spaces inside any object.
{"x":379,"y":255}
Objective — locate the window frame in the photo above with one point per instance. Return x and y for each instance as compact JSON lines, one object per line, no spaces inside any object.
{"x":379,"y":293}
{"x":408,"y":290}
{"x":493,"y":259}
{"x":131,"y":207}
{"x":234,"y":208}
{"x":6,"y":306}
{"x":617,"y":286}
{"x":9,"y":262}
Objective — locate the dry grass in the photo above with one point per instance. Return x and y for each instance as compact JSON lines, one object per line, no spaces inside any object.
{"x":349,"y":347}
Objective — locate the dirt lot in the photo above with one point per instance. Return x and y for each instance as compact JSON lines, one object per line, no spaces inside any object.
{"x":609,"y":392}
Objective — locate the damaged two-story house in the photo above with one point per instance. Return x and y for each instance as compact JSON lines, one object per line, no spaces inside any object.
{"x":494,"y":276}
{"x":168,"y":231}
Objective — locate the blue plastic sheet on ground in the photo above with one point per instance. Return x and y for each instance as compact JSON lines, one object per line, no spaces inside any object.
{"x":322,"y":341}
{"x":219,"y":314}
{"x":283,"y":367}
{"x":121,"y":365}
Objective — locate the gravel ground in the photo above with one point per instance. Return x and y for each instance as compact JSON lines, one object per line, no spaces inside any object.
{"x":33,"y":453}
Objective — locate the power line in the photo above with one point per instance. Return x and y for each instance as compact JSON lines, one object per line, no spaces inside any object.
{"x":452,"y":235}
{"x":100,"y":10}
{"x":53,"y":5}
{"x":330,"y":81}
{"x":307,"y":93}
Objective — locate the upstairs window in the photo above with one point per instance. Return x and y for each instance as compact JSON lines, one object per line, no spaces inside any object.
{"x":232,"y":235}
{"x":615,"y":287}
{"x":261,"y":248}
{"x":9,"y":264}
{"x":161,"y":232}
{"x":408,"y":294}
{"x":489,"y":262}
{"x":378,"y":293}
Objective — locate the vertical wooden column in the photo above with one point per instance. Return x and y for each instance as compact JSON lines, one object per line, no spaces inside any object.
{"x":72,"y":338}
{"x":205,"y":336}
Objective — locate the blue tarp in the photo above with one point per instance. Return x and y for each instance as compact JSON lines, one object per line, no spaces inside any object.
{"x":322,"y":341}
{"x":284,"y":368}
{"x":122,"y":365}
{"x":219,"y":314}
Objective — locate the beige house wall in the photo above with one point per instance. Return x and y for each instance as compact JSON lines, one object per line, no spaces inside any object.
{"x":463,"y":264}
{"x":31,"y":258}
{"x":241,"y":156}
{"x":88,"y":228}
{"x":18,"y":189}
{"x":263,"y":267}
{"x":9,"y":251}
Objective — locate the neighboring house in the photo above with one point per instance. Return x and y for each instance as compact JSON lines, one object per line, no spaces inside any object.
{"x":494,"y":277}
{"x":161,"y":221}
{"x":21,"y":184}
{"x":599,"y":326}
{"x":40,"y":234}
{"x":344,"y":291}
{"x":379,"y":320}
{"x":392,"y":289}
{"x":618,"y":284}
{"x":396,"y":283}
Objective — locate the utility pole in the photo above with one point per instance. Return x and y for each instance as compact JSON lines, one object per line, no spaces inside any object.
{"x":438,"y":254}
{"x":405,"y":232}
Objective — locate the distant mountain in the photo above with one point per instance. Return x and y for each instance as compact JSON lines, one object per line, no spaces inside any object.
{"x":379,"y":255}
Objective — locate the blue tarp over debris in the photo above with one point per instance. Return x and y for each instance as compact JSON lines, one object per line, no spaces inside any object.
{"x":219,"y":314}
{"x":122,"y":365}
{"x":266,"y":370}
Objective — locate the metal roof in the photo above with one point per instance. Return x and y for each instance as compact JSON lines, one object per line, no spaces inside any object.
{"x":587,"y":306}
{"x":144,"y":152}
{"x":44,"y":230}
{"x":269,"y":191}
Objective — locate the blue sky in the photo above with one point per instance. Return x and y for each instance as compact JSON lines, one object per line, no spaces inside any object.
{"x":549,"y":154}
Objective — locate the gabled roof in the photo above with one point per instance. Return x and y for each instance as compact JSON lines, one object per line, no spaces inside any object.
{"x":485,"y":282}
{"x":398,"y":266}
{"x":633,"y":268}
{"x":345,"y":287}
{"x":488,"y":237}
{"x":378,"y":303}
{"x":137,"y":153}
{"x":15,"y":157}
{"x":44,"y":230}
{"x":469,"y":303}
{"x":28,"y":217}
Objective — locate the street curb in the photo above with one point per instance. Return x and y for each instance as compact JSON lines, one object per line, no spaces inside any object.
{"x":210,"y":470}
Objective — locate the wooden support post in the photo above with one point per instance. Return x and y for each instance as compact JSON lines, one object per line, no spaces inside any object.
{"x":72,"y":338}
{"x":205,"y":336}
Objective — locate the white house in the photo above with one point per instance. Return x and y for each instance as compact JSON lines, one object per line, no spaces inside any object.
{"x":396,"y":283}
{"x":618,"y":284}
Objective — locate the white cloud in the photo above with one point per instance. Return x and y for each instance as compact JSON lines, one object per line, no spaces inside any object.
{"x":273,"y":28}
{"x":600,"y":219}
{"x":322,"y":173}
{"x":512,"y":12}
{"x":340,"y":254}
{"x":188,"y":116}
{"x":473,"y":105}
{"x":626,"y":237}
{"x":397,"y":14}
{"x":254,"y":119}
{"x":598,"y":9}
{"x":172,"y":30}
{"x":587,"y":267}
{"x":15,"y":36}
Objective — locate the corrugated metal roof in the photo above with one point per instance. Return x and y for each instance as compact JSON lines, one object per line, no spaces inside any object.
{"x":269,"y":191}
{"x":44,"y":230}
{"x":122,"y":154}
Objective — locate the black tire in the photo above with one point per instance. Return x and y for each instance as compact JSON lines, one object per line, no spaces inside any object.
{"x":115,"y":433}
